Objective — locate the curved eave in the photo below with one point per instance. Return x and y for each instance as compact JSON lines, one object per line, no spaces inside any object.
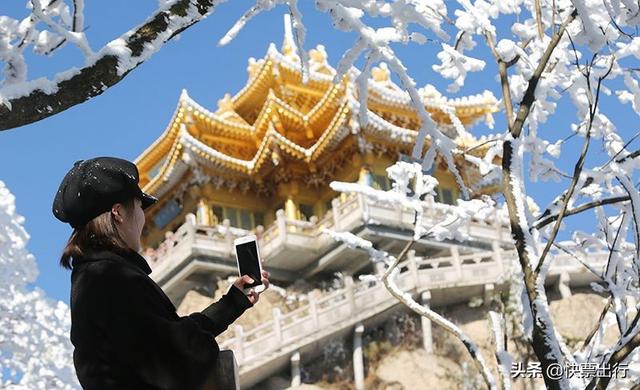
{"x":330,"y":99}
{"x":167,"y":167}
{"x":212,"y":122}
{"x":467,"y":113}
{"x":159,"y":148}
{"x":202,"y":152}
{"x":327,"y":120}
{"x":256,"y":86}
{"x":380,"y":128}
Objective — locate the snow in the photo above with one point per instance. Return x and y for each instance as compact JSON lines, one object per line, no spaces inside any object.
{"x":57,"y":18}
{"x":603,"y":44}
{"x":34,"y":330}
{"x":456,"y":65}
{"x":534,"y":153}
{"x":388,"y":278}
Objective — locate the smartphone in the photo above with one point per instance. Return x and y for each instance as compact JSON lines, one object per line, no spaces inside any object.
{"x":249,"y":261}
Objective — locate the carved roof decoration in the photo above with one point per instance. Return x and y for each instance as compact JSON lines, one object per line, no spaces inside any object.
{"x":276,"y":115}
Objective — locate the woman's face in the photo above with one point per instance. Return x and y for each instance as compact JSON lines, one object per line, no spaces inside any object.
{"x":130,"y":223}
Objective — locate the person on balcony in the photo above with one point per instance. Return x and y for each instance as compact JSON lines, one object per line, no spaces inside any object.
{"x":125,"y":330}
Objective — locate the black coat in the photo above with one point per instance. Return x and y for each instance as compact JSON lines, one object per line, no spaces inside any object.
{"x":127,"y":334}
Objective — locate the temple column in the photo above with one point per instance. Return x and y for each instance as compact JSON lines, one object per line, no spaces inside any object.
{"x":295,"y":370}
{"x":364,"y":177}
{"x":204,"y":214}
{"x":291,"y":213}
{"x":427,"y":338}
{"x":563,"y":285}
{"x":358,"y":361}
{"x":290,"y":209}
{"x":489,"y":290}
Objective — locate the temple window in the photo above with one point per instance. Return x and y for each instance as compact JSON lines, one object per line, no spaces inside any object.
{"x":306,"y":211}
{"x":258,"y":219}
{"x":444,"y":195}
{"x":246,"y":222}
{"x":381,"y":182}
{"x":167,"y":213}
{"x":241,"y":218}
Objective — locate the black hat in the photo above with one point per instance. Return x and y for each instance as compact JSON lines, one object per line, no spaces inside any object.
{"x":91,"y":187}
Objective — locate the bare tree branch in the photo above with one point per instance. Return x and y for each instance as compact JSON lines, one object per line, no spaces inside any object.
{"x":576,"y":177}
{"x":540,"y":344}
{"x":529,"y":95}
{"x":499,"y":336}
{"x":587,"y":206}
{"x":601,"y":383}
{"x":473,"y":350}
{"x":589,"y":337}
{"x":504,"y":80}
{"x":539,"y":19}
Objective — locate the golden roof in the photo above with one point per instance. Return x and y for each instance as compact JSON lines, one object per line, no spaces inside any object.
{"x":278,"y":116}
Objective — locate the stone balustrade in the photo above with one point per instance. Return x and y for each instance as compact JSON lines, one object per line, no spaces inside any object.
{"x":360,"y":300}
{"x":346,"y":214}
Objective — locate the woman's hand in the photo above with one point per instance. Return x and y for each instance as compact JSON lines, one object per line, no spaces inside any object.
{"x":252,"y":295}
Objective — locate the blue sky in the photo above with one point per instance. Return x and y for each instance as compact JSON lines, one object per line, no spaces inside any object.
{"x":130,"y":116}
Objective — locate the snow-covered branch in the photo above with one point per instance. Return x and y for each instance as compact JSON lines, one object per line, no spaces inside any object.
{"x":562,"y":52}
{"x":348,"y":15}
{"x":25,"y":101}
{"x":405,"y":298}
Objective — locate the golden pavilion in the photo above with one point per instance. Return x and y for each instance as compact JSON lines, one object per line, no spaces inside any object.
{"x":263,"y":159}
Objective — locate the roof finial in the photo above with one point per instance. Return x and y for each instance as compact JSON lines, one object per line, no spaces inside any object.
{"x":288,"y":44}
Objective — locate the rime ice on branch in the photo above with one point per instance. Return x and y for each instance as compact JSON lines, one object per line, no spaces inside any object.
{"x":53,"y":24}
{"x":574,"y":54}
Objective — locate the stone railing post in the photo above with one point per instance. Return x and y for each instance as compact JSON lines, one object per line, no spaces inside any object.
{"x":239,"y":335}
{"x":313,"y":309}
{"x":430,"y":203}
{"x":259,"y":230}
{"x":295,"y":370}
{"x":489,"y":292}
{"x":351,"y":297}
{"x":281,"y":221}
{"x":497,"y":223}
{"x":412,"y":265}
{"x":455,"y":254}
{"x":497,"y":255}
{"x":277,"y":326}
{"x":190,"y":222}
{"x":379,"y":267}
{"x":335,"y":212}
{"x":170,"y":242}
{"x":358,"y":361}
{"x":190,"y":231}
{"x":427,"y":338}
{"x":362,"y":206}
{"x":228,"y":236}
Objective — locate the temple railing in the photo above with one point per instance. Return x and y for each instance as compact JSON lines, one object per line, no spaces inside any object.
{"x":359,"y":300}
{"x":346,"y":213}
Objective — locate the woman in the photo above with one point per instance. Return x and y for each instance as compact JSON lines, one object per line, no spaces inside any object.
{"x":125,"y":330}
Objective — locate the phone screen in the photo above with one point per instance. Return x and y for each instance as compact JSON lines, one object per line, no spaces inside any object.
{"x":249,"y":262}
